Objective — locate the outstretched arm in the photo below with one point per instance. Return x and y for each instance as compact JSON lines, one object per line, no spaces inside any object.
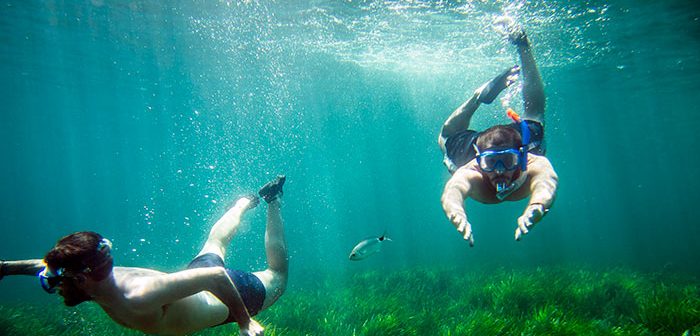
{"x":21,"y":267}
{"x":543,"y":188}
{"x":456,"y":191}
{"x":168,"y":288}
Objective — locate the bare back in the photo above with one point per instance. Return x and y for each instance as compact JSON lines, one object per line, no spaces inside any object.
{"x":191,"y":313}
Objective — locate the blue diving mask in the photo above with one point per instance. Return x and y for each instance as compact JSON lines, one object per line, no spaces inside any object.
{"x":506,"y":159}
{"x":50,"y":280}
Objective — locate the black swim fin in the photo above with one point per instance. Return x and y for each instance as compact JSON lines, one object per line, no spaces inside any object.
{"x":273,"y":189}
{"x":489,"y":91}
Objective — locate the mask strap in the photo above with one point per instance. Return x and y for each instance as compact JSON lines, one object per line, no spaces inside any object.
{"x":478,"y":154}
{"x":104,"y":243}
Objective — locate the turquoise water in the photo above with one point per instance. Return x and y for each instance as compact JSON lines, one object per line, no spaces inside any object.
{"x":144,"y":120}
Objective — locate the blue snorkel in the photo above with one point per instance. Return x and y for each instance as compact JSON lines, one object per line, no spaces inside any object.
{"x":525,"y":134}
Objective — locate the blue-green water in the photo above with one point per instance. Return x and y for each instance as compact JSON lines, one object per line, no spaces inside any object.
{"x":144,"y":120}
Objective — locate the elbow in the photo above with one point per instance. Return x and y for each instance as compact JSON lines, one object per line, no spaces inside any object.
{"x":220,"y":277}
{"x":451,"y":202}
{"x":553,"y":185}
{"x":220,"y":272}
{"x":444,"y":200}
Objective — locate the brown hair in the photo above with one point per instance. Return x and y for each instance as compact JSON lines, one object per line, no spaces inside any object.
{"x":81,"y":252}
{"x":499,"y":136}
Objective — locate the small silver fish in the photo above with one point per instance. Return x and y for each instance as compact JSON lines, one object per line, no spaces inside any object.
{"x":368,"y":247}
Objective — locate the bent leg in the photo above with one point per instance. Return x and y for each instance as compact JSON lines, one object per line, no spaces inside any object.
{"x":224,"y":229}
{"x":274,"y":278}
{"x":533,"y":88}
{"x":458,"y":121}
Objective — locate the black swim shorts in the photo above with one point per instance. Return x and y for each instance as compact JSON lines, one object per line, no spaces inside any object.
{"x":250,"y":288}
{"x":460,"y":149}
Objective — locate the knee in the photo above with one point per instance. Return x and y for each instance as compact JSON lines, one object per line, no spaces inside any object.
{"x":281,"y":270}
{"x":282,"y":285}
{"x":279,"y":284}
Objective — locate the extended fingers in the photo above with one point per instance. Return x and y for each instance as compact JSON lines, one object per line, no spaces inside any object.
{"x":468,"y":234}
{"x":523,"y":224}
{"x":466,"y":230}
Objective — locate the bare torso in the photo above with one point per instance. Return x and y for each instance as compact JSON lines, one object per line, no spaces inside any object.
{"x":194,"y":312}
{"x":482,"y":191}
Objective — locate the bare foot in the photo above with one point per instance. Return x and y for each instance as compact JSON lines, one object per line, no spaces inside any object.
{"x":246,"y":202}
{"x":506,"y":26}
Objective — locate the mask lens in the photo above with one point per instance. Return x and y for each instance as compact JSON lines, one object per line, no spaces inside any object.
{"x":49,"y":281}
{"x":488,"y":163}
{"x":508,"y":159}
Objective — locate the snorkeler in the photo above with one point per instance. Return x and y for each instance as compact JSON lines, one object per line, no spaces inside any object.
{"x":80,"y":268}
{"x":504,"y":162}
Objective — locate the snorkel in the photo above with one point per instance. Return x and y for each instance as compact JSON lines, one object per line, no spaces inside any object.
{"x":525,"y":133}
{"x":504,"y":189}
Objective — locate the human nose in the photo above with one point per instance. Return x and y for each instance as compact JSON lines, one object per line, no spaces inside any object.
{"x":500,"y":168}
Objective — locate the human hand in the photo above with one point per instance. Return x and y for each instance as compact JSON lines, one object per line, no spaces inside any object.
{"x":533,"y":214}
{"x":463,"y":227}
{"x":252,"y":329}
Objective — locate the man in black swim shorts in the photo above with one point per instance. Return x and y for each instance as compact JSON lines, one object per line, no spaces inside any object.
{"x":504,"y":162}
{"x":206,"y":294}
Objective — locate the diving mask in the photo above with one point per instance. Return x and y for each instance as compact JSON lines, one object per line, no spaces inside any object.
{"x":491,"y":160}
{"x":50,"y":280}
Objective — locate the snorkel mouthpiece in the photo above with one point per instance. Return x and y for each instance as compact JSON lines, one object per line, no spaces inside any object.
{"x":500,"y":187}
{"x":503,"y":190}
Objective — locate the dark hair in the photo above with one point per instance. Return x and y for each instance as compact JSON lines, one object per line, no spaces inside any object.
{"x":81,"y":252}
{"x":499,"y":136}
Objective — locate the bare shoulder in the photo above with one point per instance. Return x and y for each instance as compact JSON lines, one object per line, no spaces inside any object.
{"x":468,"y":173}
{"x":465,"y":179}
{"x":540,"y":168}
{"x":539,"y":163}
{"x":133,"y":277}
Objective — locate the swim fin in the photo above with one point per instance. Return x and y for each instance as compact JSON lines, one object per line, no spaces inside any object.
{"x":273,"y":189}
{"x":489,"y":91}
